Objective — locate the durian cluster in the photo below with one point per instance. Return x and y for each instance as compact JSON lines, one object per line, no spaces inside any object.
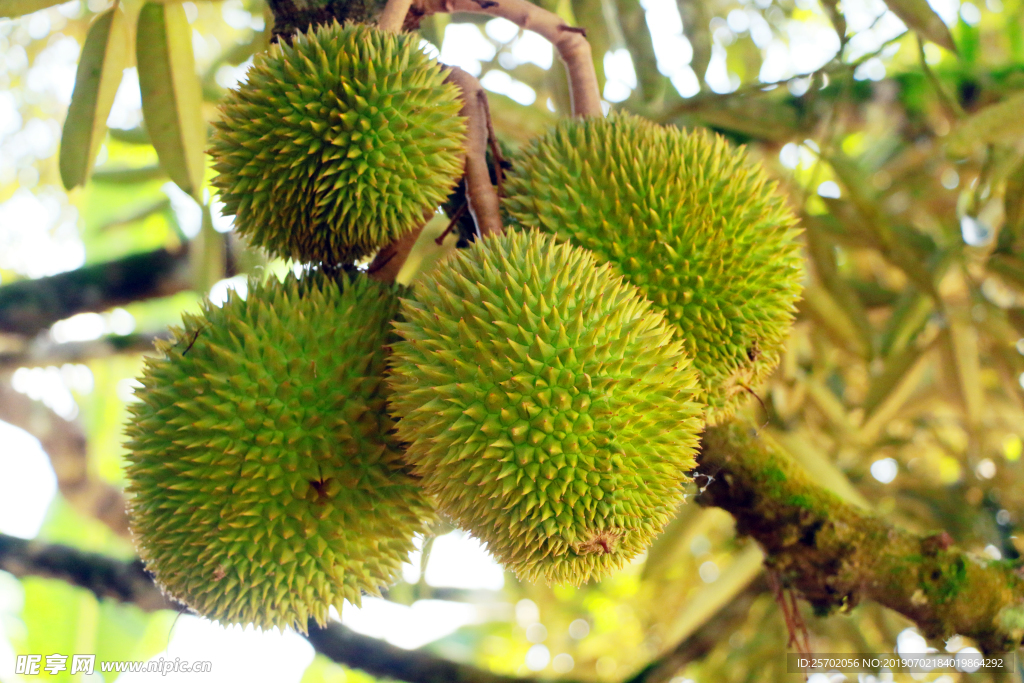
{"x":544,"y":389}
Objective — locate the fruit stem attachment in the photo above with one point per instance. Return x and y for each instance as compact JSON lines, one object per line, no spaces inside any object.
{"x":390,"y":259}
{"x":393,"y":16}
{"x":481,"y":195}
{"x":570,"y":42}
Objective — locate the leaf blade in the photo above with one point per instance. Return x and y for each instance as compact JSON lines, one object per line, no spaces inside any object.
{"x":17,"y":8}
{"x":918,"y":15}
{"x":171,"y":93}
{"x":104,"y":59}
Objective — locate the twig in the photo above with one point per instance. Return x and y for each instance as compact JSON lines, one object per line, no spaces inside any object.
{"x":833,"y":67}
{"x":393,"y":16}
{"x":496,"y":156}
{"x":480,"y":193}
{"x":389,"y":260}
{"x":951,"y":106}
{"x":65,"y":445}
{"x":573,"y":48}
{"x":452,"y":223}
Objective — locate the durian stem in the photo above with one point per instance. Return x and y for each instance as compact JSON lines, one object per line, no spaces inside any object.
{"x":836,"y":554}
{"x":393,"y":16}
{"x":481,"y":195}
{"x":570,"y":42}
{"x":389,"y":260}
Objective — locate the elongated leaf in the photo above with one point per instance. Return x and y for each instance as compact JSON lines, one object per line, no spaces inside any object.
{"x":706,"y":602}
{"x":835,"y":321}
{"x":999,"y":122}
{"x":16,"y":8}
{"x":896,"y":369}
{"x":906,"y":321}
{"x":1010,"y":268}
{"x":821,"y":468}
{"x":963,"y":338}
{"x":822,"y":255}
{"x":889,"y":400}
{"x":128,"y":176}
{"x":830,"y":406}
{"x":918,"y":15}
{"x":104,"y":58}
{"x":171,"y":93}
{"x":1013,"y":204}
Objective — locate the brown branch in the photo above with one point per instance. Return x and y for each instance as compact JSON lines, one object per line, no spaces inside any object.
{"x":42,"y":351}
{"x":481,"y":195}
{"x":393,"y":16}
{"x":573,"y":48}
{"x":29,"y":306}
{"x":105,"y":577}
{"x":836,"y":555}
{"x":129,"y":582}
{"x":65,"y":445}
{"x":389,"y":260}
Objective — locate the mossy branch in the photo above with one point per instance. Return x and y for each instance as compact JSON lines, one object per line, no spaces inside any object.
{"x":836,"y":555}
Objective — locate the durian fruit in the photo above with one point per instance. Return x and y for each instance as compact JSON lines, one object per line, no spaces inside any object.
{"x":265,"y":482}
{"x":337,"y":143}
{"x":546,"y":406}
{"x":686,"y":217}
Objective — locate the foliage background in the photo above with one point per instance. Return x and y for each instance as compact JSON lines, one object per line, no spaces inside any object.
{"x":902,"y":388}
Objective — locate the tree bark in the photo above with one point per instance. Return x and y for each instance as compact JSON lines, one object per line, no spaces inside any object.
{"x":836,"y":554}
{"x":30,"y":306}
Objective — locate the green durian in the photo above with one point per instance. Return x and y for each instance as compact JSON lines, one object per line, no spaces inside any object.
{"x":689,"y":219}
{"x":265,"y":482}
{"x":337,"y":143}
{"x":546,"y":406}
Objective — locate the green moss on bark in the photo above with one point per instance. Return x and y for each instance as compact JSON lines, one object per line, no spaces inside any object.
{"x":837,"y":555}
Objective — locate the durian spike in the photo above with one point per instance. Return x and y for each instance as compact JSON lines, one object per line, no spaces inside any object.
{"x":481,"y":195}
{"x":571,"y":43}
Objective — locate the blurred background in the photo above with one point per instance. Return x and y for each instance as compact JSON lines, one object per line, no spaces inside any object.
{"x":902,"y":388}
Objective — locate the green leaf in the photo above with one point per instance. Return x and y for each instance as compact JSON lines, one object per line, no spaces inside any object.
{"x":16,"y":8}
{"x":171,"y":93}
{"x":129,"y":176}
{"x":918,"y":15}
{"x":1014,"y":207}
{"x":104,"y":58}
{"x":999,"y":122}
{"x":705,"y":603}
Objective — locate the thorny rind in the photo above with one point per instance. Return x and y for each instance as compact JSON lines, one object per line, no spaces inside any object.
{"x":836,"y":555}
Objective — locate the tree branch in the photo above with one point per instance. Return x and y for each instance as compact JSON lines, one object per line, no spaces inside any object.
{"x":29,"y":306}
{"x":572,"y":46}
{"x":384,"y":660}
{"x":65,"y":445}
{"x":129,"y":582}
{"x":481,"y":195}
{"x":837,"y":555}
{"x":42,"y":351}
{"x":105,"y":577}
